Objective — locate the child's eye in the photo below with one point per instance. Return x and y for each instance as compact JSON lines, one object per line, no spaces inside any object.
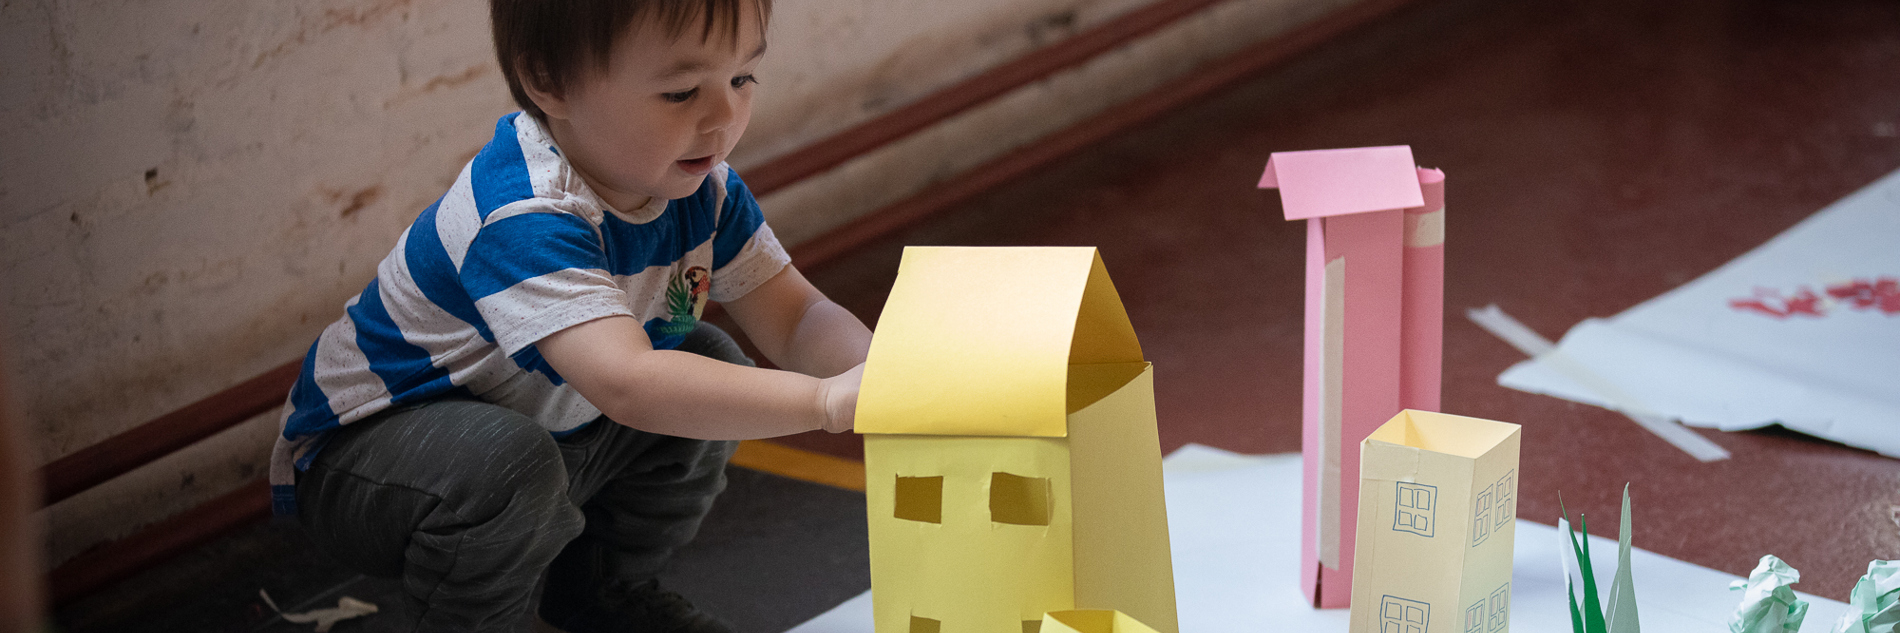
{"x":678,"y":97}
{"x":741,"y":80}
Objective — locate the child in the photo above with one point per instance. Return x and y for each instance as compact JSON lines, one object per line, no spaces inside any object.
{"x":526,"y":384}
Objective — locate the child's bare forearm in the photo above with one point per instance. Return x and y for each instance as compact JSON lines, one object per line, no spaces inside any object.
{"x":687,"y":395}
{"x":799,"y":329}
{"x":827,"y":341}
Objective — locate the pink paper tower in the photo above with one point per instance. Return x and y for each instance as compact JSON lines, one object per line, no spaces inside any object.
{"x":1375,"y":279}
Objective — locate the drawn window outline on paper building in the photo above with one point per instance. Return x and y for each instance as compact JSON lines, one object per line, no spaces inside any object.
{"x":1506,"y":498}
{"x":1481,"y":517}
{"x":1399,"y":615}
{"x":1495,"y":506}
{"x":1499,"y":616}
{"x":1415,"y":509}
{"x":1474,"y":617}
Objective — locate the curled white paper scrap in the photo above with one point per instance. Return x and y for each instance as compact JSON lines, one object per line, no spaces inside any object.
{"x":1501,"y":325}
{"x":346,"y":608}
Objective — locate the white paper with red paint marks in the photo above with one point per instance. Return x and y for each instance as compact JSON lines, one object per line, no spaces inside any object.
{"x":1803,"y":331}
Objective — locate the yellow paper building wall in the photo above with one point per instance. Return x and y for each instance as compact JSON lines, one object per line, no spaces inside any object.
{"x":1092,"y":621}
{"x":1011,"y":459}
{"x":1437,"y":521}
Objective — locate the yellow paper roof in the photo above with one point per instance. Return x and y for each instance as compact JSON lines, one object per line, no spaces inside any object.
{"x":978,"y":340}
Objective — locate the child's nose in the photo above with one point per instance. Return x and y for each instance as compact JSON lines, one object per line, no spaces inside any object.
{"x":721,"y":112}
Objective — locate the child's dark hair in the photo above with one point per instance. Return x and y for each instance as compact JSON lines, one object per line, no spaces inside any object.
{"x":551,"y":43}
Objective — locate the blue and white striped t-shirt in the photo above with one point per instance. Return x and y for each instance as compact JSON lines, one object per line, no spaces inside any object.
{"x":519,"y":248}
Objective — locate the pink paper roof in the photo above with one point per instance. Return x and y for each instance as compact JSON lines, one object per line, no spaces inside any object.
{"x":1328,"y":182}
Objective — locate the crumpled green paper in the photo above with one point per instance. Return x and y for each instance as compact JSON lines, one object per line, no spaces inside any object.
{"x":1769,"y":605}
{"x":1875,"y":601}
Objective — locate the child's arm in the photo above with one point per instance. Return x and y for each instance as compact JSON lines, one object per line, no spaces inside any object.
{"x":799,"y":329}
{"x":612,"y":363}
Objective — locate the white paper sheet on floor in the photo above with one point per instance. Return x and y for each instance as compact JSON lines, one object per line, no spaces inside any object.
{"x":1803,"y":331}
{"x":1233,"y":521}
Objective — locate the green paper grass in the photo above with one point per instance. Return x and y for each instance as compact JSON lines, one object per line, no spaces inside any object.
{"x":1589,"y":616}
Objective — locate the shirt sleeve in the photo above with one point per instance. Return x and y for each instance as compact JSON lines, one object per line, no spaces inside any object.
{"x":745,"y":253}
{"x":533,"y":272}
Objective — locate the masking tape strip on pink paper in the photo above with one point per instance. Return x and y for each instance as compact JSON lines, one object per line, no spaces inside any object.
{"x":1425,"y":229}
{"x":1331,"y":410}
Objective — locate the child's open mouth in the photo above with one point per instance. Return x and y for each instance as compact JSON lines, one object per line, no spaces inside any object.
{"x":697,"y":166}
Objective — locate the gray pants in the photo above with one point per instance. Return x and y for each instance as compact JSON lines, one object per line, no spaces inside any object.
{"x":468,"y":502}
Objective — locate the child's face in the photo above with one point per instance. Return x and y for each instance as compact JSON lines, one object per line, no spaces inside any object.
{"x":662,"y":114}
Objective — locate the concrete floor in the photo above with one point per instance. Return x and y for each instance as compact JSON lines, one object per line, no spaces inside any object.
{"x":773,"y":553}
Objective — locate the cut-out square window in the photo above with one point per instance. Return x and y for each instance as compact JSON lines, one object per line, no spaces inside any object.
{"x":925,"y":625}
{"x":920,"y":499}
{"x":1019,"y":500}
{"x":1032,"y":626}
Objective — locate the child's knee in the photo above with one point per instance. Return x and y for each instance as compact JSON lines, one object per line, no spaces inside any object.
{"x":482,"y":461}
{"x":516,"y":467}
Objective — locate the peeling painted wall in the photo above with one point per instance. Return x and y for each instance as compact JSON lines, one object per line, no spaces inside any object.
{"x":899,"y":169}
{"x":189,"y":190}
{"x":853,"y":60}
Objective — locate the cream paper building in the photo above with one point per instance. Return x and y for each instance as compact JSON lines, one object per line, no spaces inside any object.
{"x":1437,"y":520}
{"x":1011,"y":459}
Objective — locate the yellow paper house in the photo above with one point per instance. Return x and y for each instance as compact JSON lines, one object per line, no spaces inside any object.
{"x":1092,"y":621}
{"x":1011,"y":459}
{"x":1437,"y":521}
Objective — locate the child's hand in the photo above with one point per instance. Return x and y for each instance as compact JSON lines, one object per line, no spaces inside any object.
{"x":840,"y":396}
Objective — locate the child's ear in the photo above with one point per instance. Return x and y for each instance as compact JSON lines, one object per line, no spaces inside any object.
{"x":552,"y":104}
